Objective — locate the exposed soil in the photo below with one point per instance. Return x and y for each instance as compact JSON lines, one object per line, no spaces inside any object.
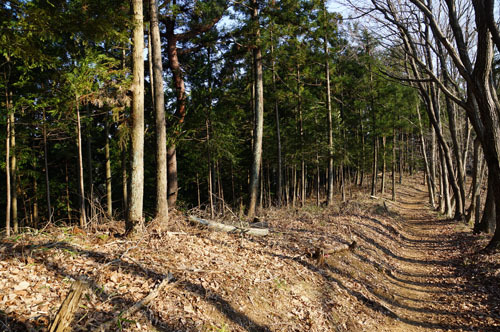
{"x":411,"y":270}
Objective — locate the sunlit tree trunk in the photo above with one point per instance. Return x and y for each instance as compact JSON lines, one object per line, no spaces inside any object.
{"x":259,"y":117}
{"x":159,"y":105}
{"x":134,"y":215}
{"x":83,"y":216}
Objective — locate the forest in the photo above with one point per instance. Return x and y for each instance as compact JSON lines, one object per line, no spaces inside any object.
{"x":249,"y":165}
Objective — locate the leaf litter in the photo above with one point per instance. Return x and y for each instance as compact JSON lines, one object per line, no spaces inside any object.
{"x":410,"y":271}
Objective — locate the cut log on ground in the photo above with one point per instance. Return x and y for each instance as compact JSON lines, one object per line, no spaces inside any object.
{"x":68,"y":308}
{"x":229,"y":228}
{"x":324,"y":251}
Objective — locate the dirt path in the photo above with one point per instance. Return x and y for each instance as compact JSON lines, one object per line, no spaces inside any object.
{"x":428,"y":283}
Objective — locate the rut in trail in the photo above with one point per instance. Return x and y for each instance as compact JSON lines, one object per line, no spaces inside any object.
{"x":415,"y":272}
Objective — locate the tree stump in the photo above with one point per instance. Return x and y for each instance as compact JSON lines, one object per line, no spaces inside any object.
{"x":68,"y":308}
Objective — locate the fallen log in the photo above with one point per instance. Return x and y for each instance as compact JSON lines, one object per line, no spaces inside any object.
{"x":67,"y":310}
{"x":324,"y":251}
{"x":229,"y":228}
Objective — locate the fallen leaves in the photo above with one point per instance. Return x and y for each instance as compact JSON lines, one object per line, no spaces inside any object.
{"x":407,"y":274}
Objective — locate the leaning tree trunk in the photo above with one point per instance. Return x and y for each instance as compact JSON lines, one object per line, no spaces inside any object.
{"x":161,"y":135}
{"x":134,"y":213}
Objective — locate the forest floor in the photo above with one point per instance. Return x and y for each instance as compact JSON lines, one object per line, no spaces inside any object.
{"x":411,"y":270}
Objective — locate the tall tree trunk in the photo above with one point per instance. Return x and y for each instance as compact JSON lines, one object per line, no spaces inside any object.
{"x":13,"y":168}
{"x":329,"y":200}
{"x":124,"y":165}
{"x":134,"y":213}
{"x":159,"y":104}
{"x":107,"y":155}
{"x":150,"y":59}
{"x":90,"y":173}
{"x":210,"y":182}
{"x":460,"y":198}
{"x":35,"y":202}
{"x":445,"y":193}
{"x":279,"y":182}
{"x":46,"y":166}
{"x":8,"y":175}
{"x":83,"y":215}
{"x":487,"y":223}
{"x":382,"y":186}
{"x":394,"y":163}
{"x":301,"y":133}
{"x":198,"y":194}
{"x":374,"y":138}
{"x":477,"y":172}
{"x":180,"y":89}
{"x":68,"y":203}
{"x":427,"y":168}
{"x":374,"y":166}
{"x":259,"y":116}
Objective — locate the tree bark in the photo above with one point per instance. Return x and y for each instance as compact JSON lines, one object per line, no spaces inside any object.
{"x":134,"y":213}
{"x":487,"y":223}
{"x":394,"y":163}
{"x":109,"y":198}
{"x":477,"y":172}
{"x":83,"y":216}
{"x":382,"y":186}
{"x":279,"y":182}
{"x":427,"y":167}
{"x":68,"y":203}
{"x":329,"y":200}
{"x":159,"y":105}
{"x":259,"y":116}
{"x":124,"y":165}
{"x":46,"y":166}
{"x":180,"y":90}
{"x":7,"y":175}
{"x":13,"y":167}
{"x":90,"y":174}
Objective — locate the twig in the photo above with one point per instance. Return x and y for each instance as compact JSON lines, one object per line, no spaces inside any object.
{"x":138,"y":305}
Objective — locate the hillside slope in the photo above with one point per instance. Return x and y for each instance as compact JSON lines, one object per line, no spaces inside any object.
{"x":409,"y":271}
